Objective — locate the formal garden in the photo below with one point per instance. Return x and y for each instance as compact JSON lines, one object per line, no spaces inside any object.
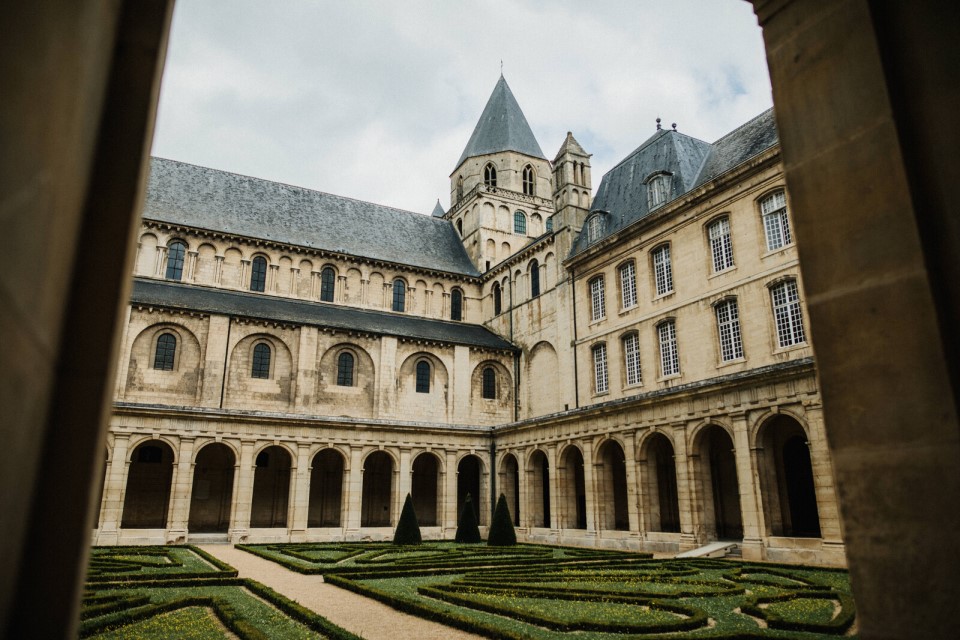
{"x":495,"y":589}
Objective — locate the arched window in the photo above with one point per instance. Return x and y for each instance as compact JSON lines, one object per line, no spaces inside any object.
{"x":399,"y":295}
{"x":459,"y":188}
{"x":176,"y":251}
{"x":490,"y":175}
{"x":787,"y":313}
{"x":460,"y":227}
{"x":528,"y":180}
{"x":258,"y":274}
{"x":550,"y":224}
{"x":534,"y":279}
{"x":497,"y":299}
{"x":328,"y":280}
{"x":423,"y":377}
{"x":658,"y":190}
{"x":775,"y":223}
{"x":519,"y":222}
{"x":456,"y":305}
{"x":594,"y":228}
{"x":261,"y":361}
{"x":345,"y":369}
{"x":489,"y":385}
{"x":721,"y":246}
{"x":163,"y":358}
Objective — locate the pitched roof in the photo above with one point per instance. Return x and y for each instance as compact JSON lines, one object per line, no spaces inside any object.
{"x":570,"y":145}
{"x":176,"y":295}
{"x":502,"y":127}
{"x":622,"y":194}
{"x":438,"y":211}
{"x":213,"y":200}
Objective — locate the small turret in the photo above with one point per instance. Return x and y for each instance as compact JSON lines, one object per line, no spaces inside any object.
{"x":572,"y":191}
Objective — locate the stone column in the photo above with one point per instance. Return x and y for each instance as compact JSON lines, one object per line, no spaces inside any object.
{"x":365,"y":292}
{"x":274,"y":278}
{"x":522,"y":489}
{"x":353,"y":493}
{"x":191,"y":274}
{"x":683,"y":462}
{"x":403,"y":483}
{"x":450,"y":514}
{"x":300,"y":494}
{"x":182,"y":485}
{"x":306,"y":377}
{"x":218,"y":276}
{"x":633,"y":495}
{"x":214,"y":366}
{"x":340,"y":295}
{"x":314,"y":285}
{"x":158,"y":269}
{"x":749,"y":484}
{"x":831,"y":529}
{"x":244,"y":271}
{"x":295,"y":282}
{"x":554,"y":486}
{"x":590,"y":487}
{"x":113,"y":490}
{"x":242,"y":493}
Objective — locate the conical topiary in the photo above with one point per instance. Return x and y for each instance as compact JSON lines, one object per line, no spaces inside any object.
{"x":467,"y":529}
{"x":408,"y":529}
{"x":502,"y":533}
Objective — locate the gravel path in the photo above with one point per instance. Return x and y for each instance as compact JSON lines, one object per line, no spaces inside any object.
{"x":365,"y":617}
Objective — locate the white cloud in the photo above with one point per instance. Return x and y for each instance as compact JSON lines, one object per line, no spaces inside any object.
{"x":376,"y":100}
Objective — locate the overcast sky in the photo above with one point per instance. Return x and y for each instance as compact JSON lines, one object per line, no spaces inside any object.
{"x":376,"y":99}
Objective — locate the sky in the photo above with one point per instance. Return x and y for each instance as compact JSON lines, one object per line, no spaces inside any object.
{"x":376,"y":100}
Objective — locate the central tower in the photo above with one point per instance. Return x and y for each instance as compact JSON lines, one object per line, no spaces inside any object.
{"x":501,"y":195}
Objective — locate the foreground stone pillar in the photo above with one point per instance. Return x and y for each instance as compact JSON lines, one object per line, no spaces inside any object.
{"x":243,"y":493}
{"x":749,"y":486}
{"x":113,"y":491}
{"x":300,"y":494}
{"x":180,"y":493}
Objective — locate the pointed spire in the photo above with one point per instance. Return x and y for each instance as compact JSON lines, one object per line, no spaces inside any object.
{"x":502,"y":127}
{"x":438,"y":211}
{"x":570,"y":145}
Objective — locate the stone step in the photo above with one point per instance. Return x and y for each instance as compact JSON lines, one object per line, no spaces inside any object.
{"x":712,"y":550}
{"x":208,"y":538}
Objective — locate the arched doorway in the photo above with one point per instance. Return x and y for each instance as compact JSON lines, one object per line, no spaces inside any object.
{"x":468,"y":481}
{"x":786,"y":479}
{"x":612,"y":477}
{"x":212,"y":493}
{"x":326,"y":489}
{"x":538,"y":479}
{"x":424,"y":488}
{"x":510,"y":485}
{"x":662,"y":504}
{"x":271,"y":488}
{"x":376,"y":500}
{"x":717,"y":470}
{"x":147,"y":496}
{"x":573,"y":492}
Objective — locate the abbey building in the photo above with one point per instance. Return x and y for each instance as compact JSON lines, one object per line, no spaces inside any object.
{"x":629,"y":365}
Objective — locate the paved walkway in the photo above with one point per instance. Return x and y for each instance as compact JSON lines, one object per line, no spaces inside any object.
{"x":367,"y":618}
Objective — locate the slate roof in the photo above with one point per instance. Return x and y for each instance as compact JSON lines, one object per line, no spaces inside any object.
{"x":175,"y":295}
{"x":502,"y":127}
{"x":570,"y":144}
{"x":213,"y":200}
{"x":438,"y":211}
{"x":622,"y":194}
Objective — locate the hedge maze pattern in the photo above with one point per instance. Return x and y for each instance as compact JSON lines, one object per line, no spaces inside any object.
{"x":183,"y":592}
{"x":531,"y":591}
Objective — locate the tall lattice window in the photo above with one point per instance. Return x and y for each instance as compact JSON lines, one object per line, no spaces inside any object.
{"x":628,"y":285}
{"x":519,"y":222}
{"x":345,"y":363}
{"x":261,"y":361}
{"x":423,"y":377}
{"x":600,"y":379}
{"x":459,"y":188}
{"x":669,"y":355}
{"x":176,"y":251}
{"x":658,"y":191}
{"x":550,"y":224}
{"x":258,"y":274}
{"x":490,"y":175}
{"x":776,"y":225}
{"x":489,"y":383}
{"x":594,"y":228}
{"x":497,"y":299}
{"x":399,"y":295}
{"x":598,"y":307}
{"x":728,"y":327}
{"x":631,"y":358}
{"x":456,"y":305}
{"x":534,"y":279}
{"x":721,"y":246}
{"x":528,"y":180}
{"x":662,"y":270}
{"x":328,"y":280}
{"x":787,"y":313}
{"x":164,"y":356}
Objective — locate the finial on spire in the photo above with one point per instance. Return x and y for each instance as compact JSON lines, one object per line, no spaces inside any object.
{"x":658,"y":123}
{"x":674,"y":125}
{"x":501,"y":67}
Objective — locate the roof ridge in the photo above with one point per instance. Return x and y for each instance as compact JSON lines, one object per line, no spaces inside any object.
{"x":745,"y":124}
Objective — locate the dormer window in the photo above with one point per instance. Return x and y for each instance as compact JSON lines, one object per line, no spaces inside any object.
{"x":528,"y":180}
{"x":658,"y":190}
{"x":490,"y":175}
{"x":594,"y":228}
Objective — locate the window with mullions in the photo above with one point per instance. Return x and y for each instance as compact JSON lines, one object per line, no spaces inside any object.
{"x":176,"y":251}
{"x":399,"y":295}
{"x":776,"y":225}
{"x":631,"y":358}
{"x":600,"y":380}
{"x":662,"y":270}
{"x":658,"y":191}
{"x":456,"y":305}
{"x":490,"y":175}
{"x":669,"y":355}
{"x":728,"y":328}
{"x":519,"y":222}
{"x":497,"y":299}
{"x":328,"y":280}
{"x":261,"y":361}
{"x":345,"y":369}
{"x":164,"y":356}
{"x":594,"y":228}
{"x":534,"y":279}
{"x":258,"y":274}
{"x":721,"y":247}
{"x":489,"y":383}
{"x":550,"y":224}
{"x":528,"y":180}
{"x":423,"y":377}
{"x":598,"y":307}
{"x":628,"y":285}
{"x":787,"y":313}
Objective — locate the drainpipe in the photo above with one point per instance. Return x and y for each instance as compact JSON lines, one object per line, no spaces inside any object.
{"x":576,"y":381}
{"x":493,"y":475}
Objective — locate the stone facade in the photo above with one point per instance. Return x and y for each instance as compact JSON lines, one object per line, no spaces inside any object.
{"x":629,"y":374}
